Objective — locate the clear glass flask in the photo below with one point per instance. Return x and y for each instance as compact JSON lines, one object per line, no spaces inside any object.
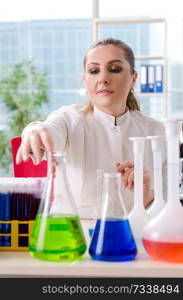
{"x":112,"y":239}
{"x":163,"y":235}
{"x":57,"y":234}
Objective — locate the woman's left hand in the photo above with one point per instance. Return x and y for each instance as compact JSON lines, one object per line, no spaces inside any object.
{"x":126,"y":168}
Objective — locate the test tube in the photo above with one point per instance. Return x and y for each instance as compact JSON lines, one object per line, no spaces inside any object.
{"x":1,"y":218}
{"x":138,"y":217}
{"x":158,"y":203}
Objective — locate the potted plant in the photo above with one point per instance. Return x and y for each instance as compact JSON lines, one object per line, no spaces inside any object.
{"x":23,"y":91}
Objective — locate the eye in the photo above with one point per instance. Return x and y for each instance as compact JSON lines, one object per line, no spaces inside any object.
{"x":115,"y":69}
{"x":93,"y":71}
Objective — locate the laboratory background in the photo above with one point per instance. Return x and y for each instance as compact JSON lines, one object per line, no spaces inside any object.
{"x":42,"y":45}
{"x":53,"y":37}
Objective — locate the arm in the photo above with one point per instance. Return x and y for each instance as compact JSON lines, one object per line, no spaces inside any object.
{"x":40,"y":137}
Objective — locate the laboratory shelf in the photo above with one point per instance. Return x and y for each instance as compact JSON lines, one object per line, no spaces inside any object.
{"x":21,"y":264}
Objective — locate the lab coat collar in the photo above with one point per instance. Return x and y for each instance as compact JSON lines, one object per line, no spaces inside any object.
{"x":103,"y":117}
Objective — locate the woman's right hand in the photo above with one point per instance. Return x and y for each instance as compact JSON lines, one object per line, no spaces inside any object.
{"x":35,"y":141}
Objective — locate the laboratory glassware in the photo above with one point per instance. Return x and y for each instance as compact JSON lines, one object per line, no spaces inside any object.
{"x":138,"y":217}
{"x":57,"y":234}
{"x":112,"y":239}
{"x":159,"y":202}
{"x":163,"y":235}
{"x":99,"y":185}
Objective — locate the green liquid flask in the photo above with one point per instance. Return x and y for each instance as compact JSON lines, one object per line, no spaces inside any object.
{"x":57,"y":234}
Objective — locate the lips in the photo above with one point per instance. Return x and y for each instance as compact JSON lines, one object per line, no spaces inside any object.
{"x":104,"y":92}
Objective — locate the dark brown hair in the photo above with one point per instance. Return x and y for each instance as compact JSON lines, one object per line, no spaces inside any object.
{"x":132,"y":102}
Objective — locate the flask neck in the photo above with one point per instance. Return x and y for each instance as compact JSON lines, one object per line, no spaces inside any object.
{"x":112,"y":205}
{"x":58,"y":195}
{"x":56,"y":162}
{"x":157,"y":170}
{"x":173,"y":169}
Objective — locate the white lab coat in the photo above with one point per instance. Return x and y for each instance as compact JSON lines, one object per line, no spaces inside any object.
{"x":92,"y":141}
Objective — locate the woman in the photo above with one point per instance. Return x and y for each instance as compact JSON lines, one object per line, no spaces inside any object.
{"x":96,"y":136}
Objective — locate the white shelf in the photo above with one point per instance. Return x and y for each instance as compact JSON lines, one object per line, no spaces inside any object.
{"x":149,"y":94}
{"x":128,"y":21}
{"x":149,"y":57}
{"x":16,"y":264}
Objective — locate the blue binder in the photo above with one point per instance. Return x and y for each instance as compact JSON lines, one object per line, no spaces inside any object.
{"x":151,"y":78}
{"x":159,"y":78}
{"x":143,"y":79}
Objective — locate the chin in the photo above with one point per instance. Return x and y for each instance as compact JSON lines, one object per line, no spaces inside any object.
{"x":106,"y":102}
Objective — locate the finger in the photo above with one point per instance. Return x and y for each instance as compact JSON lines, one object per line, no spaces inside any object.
{"x":19,"y":157}
{"x":146,"y":179}
{"x":24,"y":149}
{"x":46,"y":140}
{"x":122,"y":166}
{"x":130,"y":184}
{"x":36,"y":145}
{"x":126,"y":175}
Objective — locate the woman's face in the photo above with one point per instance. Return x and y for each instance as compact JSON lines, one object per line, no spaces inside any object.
{"x":108,"y":79}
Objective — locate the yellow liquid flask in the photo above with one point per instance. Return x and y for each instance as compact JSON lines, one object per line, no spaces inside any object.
{"x":112,"y":239}
{"x":57,"y":234}
{"x":163,"y":235}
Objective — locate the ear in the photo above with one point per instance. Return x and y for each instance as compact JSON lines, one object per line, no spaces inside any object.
{"x":134,"y":79}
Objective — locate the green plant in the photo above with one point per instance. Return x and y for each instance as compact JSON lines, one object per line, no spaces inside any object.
{"x":23,"y":90}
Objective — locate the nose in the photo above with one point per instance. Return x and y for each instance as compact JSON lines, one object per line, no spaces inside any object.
{"x":103,"y":78}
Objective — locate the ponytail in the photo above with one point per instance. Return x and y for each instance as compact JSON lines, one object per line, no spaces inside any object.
{"x":132,"y":102}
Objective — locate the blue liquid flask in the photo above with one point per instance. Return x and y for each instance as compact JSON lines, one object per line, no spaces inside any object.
{"x":112,"y":239}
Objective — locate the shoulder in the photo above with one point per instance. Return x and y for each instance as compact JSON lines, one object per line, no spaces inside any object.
{"x":69,"y":109}
{"x":139,"y":116}
{"x":69,"y":115}
{"x":147,"y":121}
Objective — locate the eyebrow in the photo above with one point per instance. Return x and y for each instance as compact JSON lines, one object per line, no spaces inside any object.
{"x":110,"y":62}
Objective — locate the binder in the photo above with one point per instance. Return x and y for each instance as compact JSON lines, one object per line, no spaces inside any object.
{"x":151,"y":78}
{"x":143,"y":79}
{"x":159,"y":78}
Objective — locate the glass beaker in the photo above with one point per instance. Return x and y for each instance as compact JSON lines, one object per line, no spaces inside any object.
{"x":112,"y":239}
{"x":57,"y":234}
{"x":163,"y":235}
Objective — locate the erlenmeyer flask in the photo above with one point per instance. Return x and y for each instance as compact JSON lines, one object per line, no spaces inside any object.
{"x":112,"y":238}
{"x":163,"y":235}
{"x":57,"y":234}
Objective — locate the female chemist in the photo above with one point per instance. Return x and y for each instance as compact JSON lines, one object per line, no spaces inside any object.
{"x":96,"y":135}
